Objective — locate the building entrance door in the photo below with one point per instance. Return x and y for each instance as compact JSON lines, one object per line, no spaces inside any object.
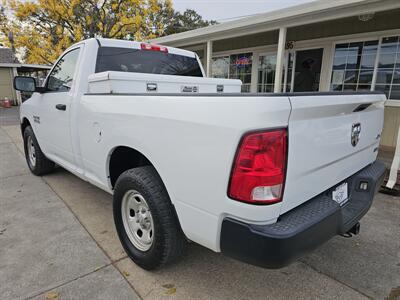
{"x":307,"y":74}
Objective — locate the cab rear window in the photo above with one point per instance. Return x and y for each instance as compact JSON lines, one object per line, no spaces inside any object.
{"x":146,"y":61}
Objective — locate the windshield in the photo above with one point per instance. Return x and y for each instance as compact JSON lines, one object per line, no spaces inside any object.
{"x":146,"y":61}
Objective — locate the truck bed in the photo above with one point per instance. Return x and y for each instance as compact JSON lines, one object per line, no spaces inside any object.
{"x":319,"y":130}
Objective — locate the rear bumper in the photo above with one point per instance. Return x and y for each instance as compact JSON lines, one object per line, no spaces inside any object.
{"x":303,"y":228}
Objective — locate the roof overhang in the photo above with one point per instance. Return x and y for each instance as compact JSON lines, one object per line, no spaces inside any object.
{"x":308,"y":13}
{"x":31,"y":66}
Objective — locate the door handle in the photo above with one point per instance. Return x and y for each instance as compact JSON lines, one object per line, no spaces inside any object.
{"x":61,"y":107}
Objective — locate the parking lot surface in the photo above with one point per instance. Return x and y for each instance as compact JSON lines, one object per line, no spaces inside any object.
{"x":57,"y":239}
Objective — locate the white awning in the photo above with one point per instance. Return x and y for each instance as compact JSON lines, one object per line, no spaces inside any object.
{"x":312,"y":12}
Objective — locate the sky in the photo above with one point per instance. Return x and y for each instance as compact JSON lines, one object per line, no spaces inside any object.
{"x":227,"y":10}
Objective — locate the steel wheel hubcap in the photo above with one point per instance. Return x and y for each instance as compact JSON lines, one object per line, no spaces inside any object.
{"x":31,"y":151}
{"x":137,"y":220}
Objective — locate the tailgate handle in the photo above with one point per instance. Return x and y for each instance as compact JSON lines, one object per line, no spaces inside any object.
{"x":152,"y":87}
{"x":362,"y":107}
{"x":61,"y":107}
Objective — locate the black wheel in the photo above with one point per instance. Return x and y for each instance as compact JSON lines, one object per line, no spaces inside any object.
{"x":145,"y":219}
{"x":38,"y":163}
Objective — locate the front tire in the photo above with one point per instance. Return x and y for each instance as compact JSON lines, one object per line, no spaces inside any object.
{"x":37,"y":162}
{"x":145,"y":219}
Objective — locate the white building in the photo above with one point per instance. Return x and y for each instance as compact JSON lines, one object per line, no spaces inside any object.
{"x":341,"y":45}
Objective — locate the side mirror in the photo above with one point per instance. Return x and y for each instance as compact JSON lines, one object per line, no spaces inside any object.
{"x":25,"y":84}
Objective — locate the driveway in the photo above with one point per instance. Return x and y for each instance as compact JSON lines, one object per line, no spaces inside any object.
{"x":57,"y":241}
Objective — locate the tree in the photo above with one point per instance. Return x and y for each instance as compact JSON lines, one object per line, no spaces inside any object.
{"x":188,"y":20}
{"x":5,"y":35}
{"x":45,"y":28}
{"x":41,"y":30}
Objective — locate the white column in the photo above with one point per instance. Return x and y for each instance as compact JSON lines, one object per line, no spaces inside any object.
{"x":326,"y":67}
{"x":280,"y":56}
{"x":209,"y":58}
{"x":394,"y":169}
{"x":254,"y":72}
{"x":18,"y":93}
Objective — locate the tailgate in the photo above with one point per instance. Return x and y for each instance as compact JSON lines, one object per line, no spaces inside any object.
{"x":321,"y":150}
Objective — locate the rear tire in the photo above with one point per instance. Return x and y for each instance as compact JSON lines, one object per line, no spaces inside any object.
{"x":145,"y":219}
{"x":37,"y":162}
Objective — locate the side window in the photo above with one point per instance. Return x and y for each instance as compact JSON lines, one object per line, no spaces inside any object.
{"x":61,"y":77}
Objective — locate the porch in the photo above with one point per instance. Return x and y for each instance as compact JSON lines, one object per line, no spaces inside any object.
{"x":319,"y":46}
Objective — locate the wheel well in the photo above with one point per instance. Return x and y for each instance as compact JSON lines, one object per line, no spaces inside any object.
{"x":25,"y":123}
{"x":125,"y":158}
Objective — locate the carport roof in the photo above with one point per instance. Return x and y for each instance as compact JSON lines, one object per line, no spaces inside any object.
{"x":312,"y":12}
{"x":31,"y":66}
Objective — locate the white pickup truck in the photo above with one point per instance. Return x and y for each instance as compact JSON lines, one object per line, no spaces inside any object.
{"x":263,"y":178}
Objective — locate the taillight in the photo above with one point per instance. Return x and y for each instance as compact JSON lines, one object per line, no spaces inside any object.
{"x":145,"y":46}
{"x":258,"y":173}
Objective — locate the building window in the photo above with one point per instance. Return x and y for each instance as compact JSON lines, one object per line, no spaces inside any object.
{"x":236,"y":66}
{"x":353,"y":66}
{"x":388,"y":73}
{"x":266,"y":73}
{"x":220,"y":67}
{"x":287,"y":79}
{"x":240,"y":68}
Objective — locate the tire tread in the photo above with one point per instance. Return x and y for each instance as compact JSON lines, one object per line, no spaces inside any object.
{"x":174,"y":241}
{"x":43,"y":164}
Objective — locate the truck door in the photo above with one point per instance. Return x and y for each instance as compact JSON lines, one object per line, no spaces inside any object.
{"x":55,"y":109}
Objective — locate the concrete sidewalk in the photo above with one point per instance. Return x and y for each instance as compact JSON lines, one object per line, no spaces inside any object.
{"x":43,"y":247}
{"x":59,"y":236}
